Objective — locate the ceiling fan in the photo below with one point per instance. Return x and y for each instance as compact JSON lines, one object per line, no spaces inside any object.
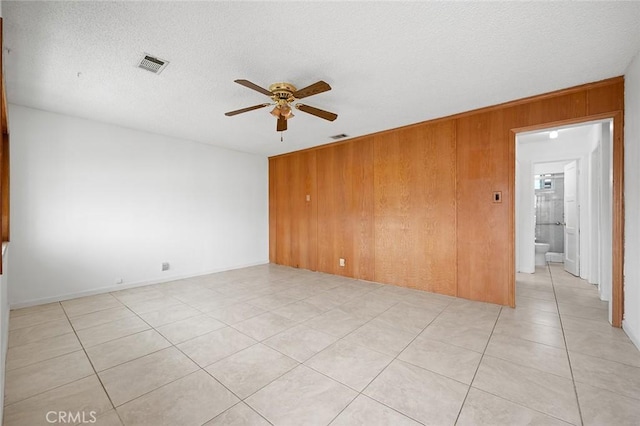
{"x":283,"y":96}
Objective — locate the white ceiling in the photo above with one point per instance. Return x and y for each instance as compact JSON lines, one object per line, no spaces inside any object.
{"x":573,"y":142}
{"x":389,"y":63}
{"x":570,"y":132}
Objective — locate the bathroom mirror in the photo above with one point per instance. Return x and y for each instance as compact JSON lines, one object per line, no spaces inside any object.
{"x":543,"y":182}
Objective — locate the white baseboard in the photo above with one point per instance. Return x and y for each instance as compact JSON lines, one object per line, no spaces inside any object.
{"x":108,"y":289}
{"x":633,"y":335}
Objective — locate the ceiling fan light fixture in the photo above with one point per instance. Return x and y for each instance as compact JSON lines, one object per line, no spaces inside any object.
{"x":276,"y":111}
{"x":285,"y":111}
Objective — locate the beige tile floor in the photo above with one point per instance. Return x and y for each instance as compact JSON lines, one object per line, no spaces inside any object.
{"x":275,"y":345}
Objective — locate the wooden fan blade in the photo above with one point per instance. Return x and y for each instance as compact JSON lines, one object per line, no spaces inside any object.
{"x":250,"y":85}
{"x":317,"y":112}
{"x":314,"y":89}
{"x":240,"y":111}
{"x":282,"y":124}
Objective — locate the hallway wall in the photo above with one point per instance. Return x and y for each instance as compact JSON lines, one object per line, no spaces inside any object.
{"x":550,"y":212}
{"x":573,"y":144}
{"x":631,"y":322}
{"x":4,"y":322}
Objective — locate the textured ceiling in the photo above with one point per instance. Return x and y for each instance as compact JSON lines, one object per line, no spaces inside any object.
{"x":389,"y":63}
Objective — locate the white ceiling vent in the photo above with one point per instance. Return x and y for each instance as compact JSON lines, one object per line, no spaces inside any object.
{"x":340,"y":136}
{"x":153,"y":64}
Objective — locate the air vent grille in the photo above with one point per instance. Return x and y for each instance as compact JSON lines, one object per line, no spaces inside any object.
{"x":340,"y":136}
{"x":153,"y":64}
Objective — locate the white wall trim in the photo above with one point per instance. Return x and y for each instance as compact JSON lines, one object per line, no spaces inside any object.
{"x":127,"y":286}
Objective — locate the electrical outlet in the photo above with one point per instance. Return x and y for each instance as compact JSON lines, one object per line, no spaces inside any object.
{"x":165,"y":266}
{"x":119,"y":281}
{"x":342,"y":262}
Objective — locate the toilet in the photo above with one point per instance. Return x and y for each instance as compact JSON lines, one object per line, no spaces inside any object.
{"x":541,"y":251}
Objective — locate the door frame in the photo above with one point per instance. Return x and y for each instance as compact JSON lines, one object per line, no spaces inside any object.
{"x":617,"y":263}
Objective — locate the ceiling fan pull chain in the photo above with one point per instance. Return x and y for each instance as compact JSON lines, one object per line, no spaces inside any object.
{"x":281,"y":138}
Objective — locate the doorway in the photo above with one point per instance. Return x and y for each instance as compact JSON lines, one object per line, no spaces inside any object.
{"x":564,"y":202}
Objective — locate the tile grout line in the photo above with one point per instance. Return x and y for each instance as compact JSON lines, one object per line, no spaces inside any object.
{"x":235,"y":405}
{"x":171,"y":345}
{"x":91,"y":364}
{"x":258,"y":342}
{"x":93,"y":367}
{"x":478,"y":367}
{"x":45,"y":359}
{"x":179,"y":378}
{"x":566,"y":347}
{"x":204,"y":369}
{"x":518,"y":403}
{"x":319,"y":372}
{"x":50,"y":389}
{"x":360,"y":393}
{"x":372,"y":291}
{"x":385,"y":367}
{"x":339,"y":339}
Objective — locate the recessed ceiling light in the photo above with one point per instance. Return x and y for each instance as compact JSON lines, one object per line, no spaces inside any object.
{"x":553,"y":134}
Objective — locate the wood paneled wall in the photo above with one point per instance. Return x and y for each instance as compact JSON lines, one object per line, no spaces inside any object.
{"x":415,"y":206}
{"x":345,"y":209}
{"x":483,"y":225}
{"x":296,"y":210}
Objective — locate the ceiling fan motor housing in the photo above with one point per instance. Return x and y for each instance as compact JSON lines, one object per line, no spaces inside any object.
{"x":282,"y":92}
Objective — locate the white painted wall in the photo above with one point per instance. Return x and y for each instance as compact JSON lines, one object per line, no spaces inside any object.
{"x":92,"y":203}
{"x":4,"y":322}
{"x":631,"y":323}
{"x":525,"y":220}
{"x":585,"y":218}
{"x":594,"y":212}
{"x":4,"y":314}
{"x":518,"y":208}
{"x":546,"y":168}
{"x":568,"y":146}
{"x":591,"y":269}
{"x":605,"y":214}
